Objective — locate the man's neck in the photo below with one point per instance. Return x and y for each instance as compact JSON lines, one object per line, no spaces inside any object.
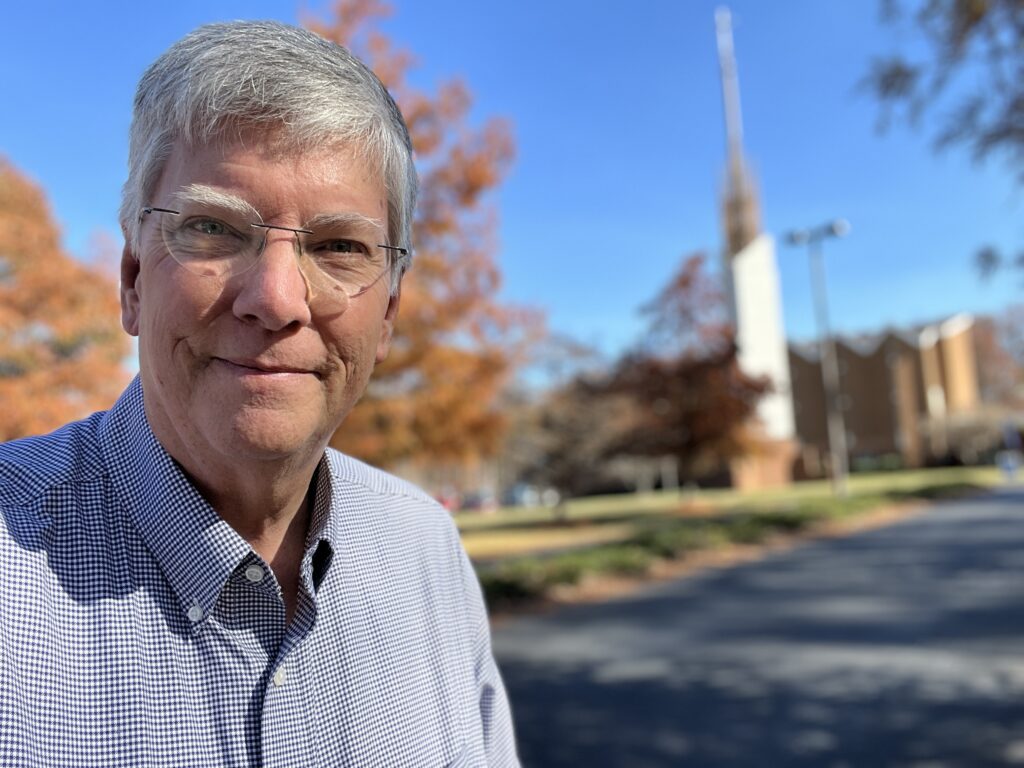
{"x":272,"y":515}
{"x":269,"y":507}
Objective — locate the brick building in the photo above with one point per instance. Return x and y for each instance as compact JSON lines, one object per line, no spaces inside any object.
{"x":909,"y":397}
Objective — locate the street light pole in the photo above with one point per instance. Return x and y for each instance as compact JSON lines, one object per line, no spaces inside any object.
{"x":827,"y":347}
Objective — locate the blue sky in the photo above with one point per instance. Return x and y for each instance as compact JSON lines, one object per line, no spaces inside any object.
{"x":616,"y":111}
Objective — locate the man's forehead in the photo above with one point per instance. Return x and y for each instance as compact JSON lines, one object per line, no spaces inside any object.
{"x":229,"y":174}
{"x":273,"y":146}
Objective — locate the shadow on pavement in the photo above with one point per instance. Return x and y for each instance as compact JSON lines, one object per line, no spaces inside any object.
{"x":899,"y":647}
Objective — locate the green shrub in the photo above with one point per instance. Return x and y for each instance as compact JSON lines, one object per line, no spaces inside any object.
{"x":675,"y":541}
{"x":788,"y":520}
{"x":504,"y":589}
{"x":626,"y":560}
{"x":942,"y":491}
{"x":527,"y":579}
{"x":746,"y":530}
{"x":567,"y":569}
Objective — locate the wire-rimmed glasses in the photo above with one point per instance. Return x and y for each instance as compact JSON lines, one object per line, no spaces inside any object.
{"x":223,"y":241}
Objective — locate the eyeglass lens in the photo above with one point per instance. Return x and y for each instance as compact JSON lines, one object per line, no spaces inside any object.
{"x":221,"y":243}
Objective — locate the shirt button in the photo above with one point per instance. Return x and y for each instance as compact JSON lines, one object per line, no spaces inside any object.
{"x":279,"y":677}
{"x":195,"y":614}
{"x":254,"y":574}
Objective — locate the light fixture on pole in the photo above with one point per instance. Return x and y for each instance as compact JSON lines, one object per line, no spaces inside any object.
{"x":827,"y":347}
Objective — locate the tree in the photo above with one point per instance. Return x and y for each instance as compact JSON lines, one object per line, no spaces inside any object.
{"x":61,"y":346}
{"x":563,"y":440}
{"x":690,"y":399}
{"x":693,"y":408}
{"x":557,"y":437}
{"x":689,"y":316}
{"x":679,"y":392}
{"x":971,"y":73}
{"x":999,"y":346}
{"x":436,"y":397}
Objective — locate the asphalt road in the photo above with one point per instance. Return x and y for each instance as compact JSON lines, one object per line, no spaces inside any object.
{"x":903,"y":646}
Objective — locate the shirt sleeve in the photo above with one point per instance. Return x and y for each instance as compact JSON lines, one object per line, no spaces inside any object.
{"x":495,"y":713}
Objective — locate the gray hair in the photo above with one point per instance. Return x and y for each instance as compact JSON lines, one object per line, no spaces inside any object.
{"x":225,"y":79}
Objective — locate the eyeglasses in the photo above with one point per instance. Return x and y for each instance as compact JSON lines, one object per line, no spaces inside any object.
{"x":219,"y":243}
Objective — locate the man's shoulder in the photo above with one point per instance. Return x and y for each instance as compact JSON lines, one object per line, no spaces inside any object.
{"x":377,"y":482}
{"x":394,"y":534}
{"x":32,"y":466}
{"x":371,"y":502}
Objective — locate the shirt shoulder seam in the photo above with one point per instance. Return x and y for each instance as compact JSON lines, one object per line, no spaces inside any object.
{"x":30,"y":496}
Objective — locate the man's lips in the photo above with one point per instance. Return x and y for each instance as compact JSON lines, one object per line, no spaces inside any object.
{"x":259,"y":367}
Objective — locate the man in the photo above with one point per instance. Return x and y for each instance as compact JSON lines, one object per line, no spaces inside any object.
{"x":194,"y":578}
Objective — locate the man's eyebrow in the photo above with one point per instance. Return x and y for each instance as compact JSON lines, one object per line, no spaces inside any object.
{"x":204,"y":195}
{"x":349,"y":219}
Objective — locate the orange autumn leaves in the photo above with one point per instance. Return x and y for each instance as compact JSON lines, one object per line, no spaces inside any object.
{"x":61,"y":345}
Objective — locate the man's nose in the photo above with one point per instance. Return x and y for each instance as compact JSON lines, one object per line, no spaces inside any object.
{"x":274,"y":292}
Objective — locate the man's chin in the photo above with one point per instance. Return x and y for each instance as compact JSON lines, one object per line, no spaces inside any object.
{"x":270,"y":435}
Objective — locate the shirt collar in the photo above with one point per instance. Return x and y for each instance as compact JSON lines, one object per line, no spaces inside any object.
{"x":323,"y":537}
{"x":194,"y":547}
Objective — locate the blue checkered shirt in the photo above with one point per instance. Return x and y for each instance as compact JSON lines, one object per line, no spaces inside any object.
{"x":138,"y":629}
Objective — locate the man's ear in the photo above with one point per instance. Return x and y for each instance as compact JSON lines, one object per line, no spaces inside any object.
{"x":129,"y":290}
{"x":387,"y":328}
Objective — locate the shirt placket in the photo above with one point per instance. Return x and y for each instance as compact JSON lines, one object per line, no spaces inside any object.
{"x":288,"y":736}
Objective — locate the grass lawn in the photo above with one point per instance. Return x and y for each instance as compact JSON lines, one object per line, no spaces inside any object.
{"x":514,"y":532}
{"x":522,"y":555}
{"x":492,"y":544}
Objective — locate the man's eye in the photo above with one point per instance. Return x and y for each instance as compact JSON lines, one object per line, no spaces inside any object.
{"x":211,"y":227}
{"x":341,"y":246}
